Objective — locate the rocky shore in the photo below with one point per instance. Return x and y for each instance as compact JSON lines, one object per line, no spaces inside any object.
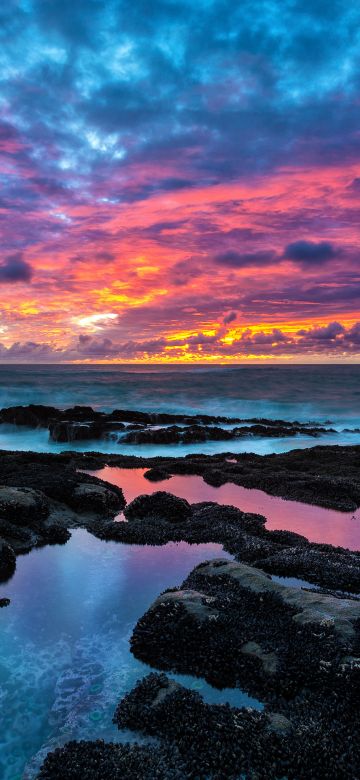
{"x":81,"y":423}
{"x":42,"y":496}
{"x":296,"y":649}
{"x":234,"y":623}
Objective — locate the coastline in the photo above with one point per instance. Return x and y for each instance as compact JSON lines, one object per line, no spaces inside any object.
{"x":51,"y":494}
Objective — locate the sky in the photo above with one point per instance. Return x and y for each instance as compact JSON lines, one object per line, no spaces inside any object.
{"x":180,"y":181}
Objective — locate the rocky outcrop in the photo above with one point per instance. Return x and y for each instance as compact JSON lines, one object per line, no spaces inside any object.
{"x":234,"y":625}
{"x":22,"y":506}
{"x":159,"y":505}
{"x":156,"y":475}
{"x":314,"y":736}
{"x":42,"y":496}
{"x":105,"y":761}
{"x":83,"y":423}
{"x":161,"y":517}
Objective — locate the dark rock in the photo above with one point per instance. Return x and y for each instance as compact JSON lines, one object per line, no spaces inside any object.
{"x":156,"y":475}
{"x":107,"y":761}
{"x":4,"y":603}
{"x":55,"y":534}
{"x":160,"y":505}
{"x":234,"y":625}
{"x":171,"y":435}
{"x":313,"y":736}
{"x":34,"y":415}
{"x":90,"y":497}
{"x":7,"y":561}
{"x":64,"y":430}
{"x":22,"y":506}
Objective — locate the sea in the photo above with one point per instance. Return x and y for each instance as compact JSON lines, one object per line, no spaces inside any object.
{"x":308,"y":393}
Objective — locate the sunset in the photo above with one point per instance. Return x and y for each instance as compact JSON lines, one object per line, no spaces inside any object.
{"x":180,"y":185}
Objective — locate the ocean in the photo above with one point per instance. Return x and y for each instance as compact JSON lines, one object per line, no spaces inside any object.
{"x":319,"y":393}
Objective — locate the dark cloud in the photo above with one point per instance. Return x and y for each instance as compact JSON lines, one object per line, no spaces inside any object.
{"x":230,"y":317}
{"x":310,"y":252}
{"x":15,"y":269}
{"x":234,"y":259}
{"x":327,"y":333}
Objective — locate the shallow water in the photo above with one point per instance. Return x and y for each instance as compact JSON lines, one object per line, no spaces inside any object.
{"x":315,"y":522}
{"x":37,"y":440}
{"x":64,"y":641}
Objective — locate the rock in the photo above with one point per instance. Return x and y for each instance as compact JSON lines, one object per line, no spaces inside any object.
{"x":55,"y":533}
{"x":171,"y":435}
{"x":4,"y":603}
{"x":7,"y":561}
{"x":69,"y":431}
{"x":107,"y":761}
{"x":234,"y":625}
{"x":34,"y":415}
{"x":22,"y":506}
{"x":160,"y":505}
{"x":89,"y":497}
{"x":156,"y":475}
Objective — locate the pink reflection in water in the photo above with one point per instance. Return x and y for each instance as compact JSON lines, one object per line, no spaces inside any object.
{"x":314,"y":522}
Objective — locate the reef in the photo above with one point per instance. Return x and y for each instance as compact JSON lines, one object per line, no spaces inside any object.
{"x":81,"y":423}
{"x":236,"y":626}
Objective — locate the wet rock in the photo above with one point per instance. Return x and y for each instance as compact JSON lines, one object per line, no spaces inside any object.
{"x":234,"y":625}
{"x":160,"y":505}
{"x":22,"y":506}
{"x":171,"y":435}
{"x":34,"y":415}
{"x":156,"y":475}
{"x":96,"y":497}
{"x":312,"y":736}
{"x":69,"y":431}
{"x":7,"y":561}
{"x":106,"y":761}
{"x":4,"y":602}
{"x":55,"y":533}
{"x":326,"y":476}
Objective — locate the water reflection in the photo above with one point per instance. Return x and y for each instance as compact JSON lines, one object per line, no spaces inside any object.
{"x":64,"y":641}
{"x":314,"y":522}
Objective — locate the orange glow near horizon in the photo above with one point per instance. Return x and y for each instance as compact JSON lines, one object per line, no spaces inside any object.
{"x":160,"y":281}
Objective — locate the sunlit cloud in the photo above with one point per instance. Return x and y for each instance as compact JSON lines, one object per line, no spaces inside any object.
{"x":182,"y":184}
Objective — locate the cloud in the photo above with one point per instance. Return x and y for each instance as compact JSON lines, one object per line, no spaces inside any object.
{"x":310,"y":253}
{"x":234,"y":259}
{"x":327,"y":333}
{"x":230,"y":317}
{"x":15,"y":269}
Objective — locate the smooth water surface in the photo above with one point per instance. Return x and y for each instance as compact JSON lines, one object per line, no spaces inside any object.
{"x":315,"y":522}
{"x":64,"y":641}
